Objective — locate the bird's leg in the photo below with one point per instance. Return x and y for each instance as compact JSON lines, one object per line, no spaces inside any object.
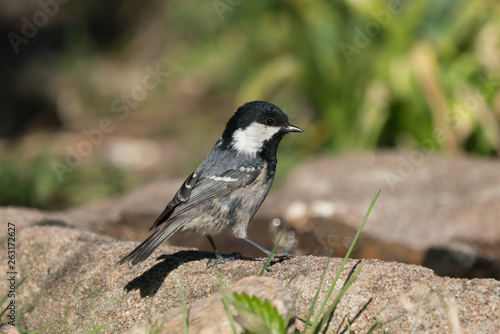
{"x":276,"y":257}
{"x":220,"y":258}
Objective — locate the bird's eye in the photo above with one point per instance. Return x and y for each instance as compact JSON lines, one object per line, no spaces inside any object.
{"x":269,"y":122}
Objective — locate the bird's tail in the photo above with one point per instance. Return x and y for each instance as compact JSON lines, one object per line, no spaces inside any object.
{"x":144,"y":250}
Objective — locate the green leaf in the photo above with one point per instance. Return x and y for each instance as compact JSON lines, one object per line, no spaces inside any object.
{"x":256,"y":315}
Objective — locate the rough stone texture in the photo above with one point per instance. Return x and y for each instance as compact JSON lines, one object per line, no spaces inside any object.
{"x":23,"y":217}
{"x":73,"y":279}
{"x":209,"y":315}
{"x":8,"y":329}
{"x":461,"y":261}
{"x":146,"y":201}
{"x":426,"y":200}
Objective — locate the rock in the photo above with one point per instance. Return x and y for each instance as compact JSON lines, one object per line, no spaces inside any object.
{"x":129,"y":217}
{"x":461,"y":260}
{"x":8,"y":329}
{"x":109,"y":216}
{"x":209,"y":315}
{"x":143,"y":202}
{"x":426,"y":200}
{"x":73,"y":279}
{"x":23,"y":217}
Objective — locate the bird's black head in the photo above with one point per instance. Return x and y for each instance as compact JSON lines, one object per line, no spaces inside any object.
{"x":256,"y":125}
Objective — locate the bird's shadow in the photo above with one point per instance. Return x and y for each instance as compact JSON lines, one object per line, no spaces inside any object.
{"x":149,"y":282}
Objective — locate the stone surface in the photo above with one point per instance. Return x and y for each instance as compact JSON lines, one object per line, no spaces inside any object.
{"x":209,"y":315}
{"x":73,"y":279}
{"x":427,"y":202}
{"x":8,"y":329}
{"x":461,"y":261}
{"x":23,"y":217}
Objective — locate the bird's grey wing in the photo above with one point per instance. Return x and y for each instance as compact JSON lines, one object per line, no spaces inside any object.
{"x":182,"y":195}
{"x":141,"y":252}
{"x":194,"y":191}
{"x":212,"y":186}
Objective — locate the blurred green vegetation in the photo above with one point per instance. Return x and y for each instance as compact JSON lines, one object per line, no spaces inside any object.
{"x":356,"y":75}
{"x":361,"y":74}
{"x":32,"y":182}
{"x":371,"y":73}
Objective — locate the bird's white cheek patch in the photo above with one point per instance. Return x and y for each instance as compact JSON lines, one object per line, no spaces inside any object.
{"x":251,"y":139}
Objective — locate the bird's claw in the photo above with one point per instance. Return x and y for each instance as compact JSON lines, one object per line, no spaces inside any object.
{"x":221,"y":258}
{"x":277,"y":258}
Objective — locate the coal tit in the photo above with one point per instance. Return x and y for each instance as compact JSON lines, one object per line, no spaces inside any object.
{"x":227,"y":189}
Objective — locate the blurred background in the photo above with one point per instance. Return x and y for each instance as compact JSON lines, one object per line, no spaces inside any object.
{"x":99,"y":97}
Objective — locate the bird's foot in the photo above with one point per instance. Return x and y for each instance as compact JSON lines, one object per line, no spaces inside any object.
{"x":277,"y":258}
{"x":221,"y":258}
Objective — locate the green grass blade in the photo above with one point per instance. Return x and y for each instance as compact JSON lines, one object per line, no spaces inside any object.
{"x":272,"y":252}
{"x":290,"y":312}
{"x":344,"y":261}
{"x":183,"y":303}
{"x":348,"y":324}
{"x":315,"y":299}
{"x":4,"y":299}
{"x":373,"y":327}
{"x":332,"y":307}
{"x":52,"y":324}
{"x":154,"y":327}
{"x":91,"y":332}
{"x":227,"y":301}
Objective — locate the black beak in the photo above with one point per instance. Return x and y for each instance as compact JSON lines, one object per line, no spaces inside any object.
{"x":292,"y":128}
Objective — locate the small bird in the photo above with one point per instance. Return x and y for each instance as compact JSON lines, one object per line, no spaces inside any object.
{"x":228,"y":187}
